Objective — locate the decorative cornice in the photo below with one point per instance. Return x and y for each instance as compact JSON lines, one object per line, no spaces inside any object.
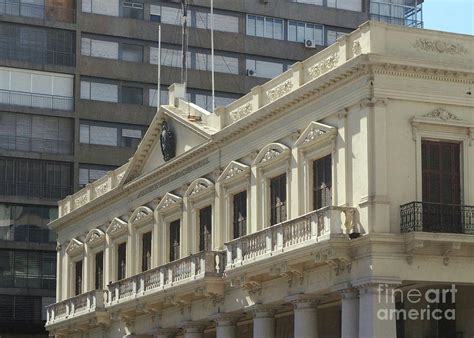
{"x":95,"y":237}
{"x":199,"y":187}
{"x":233,"y":171}
{"x":117,"y":227}
{"x":74,"y":247}
{"x":442,"y":114}
{"x":240,"y":112}
{"x":439,"y":46}
{"x":141,"y":214}
{"x":314,"y":133}
{"x":270,"y":153}
{"x":323,"y":66}
{"x":168,"y":202}
{"x":280,"y":90}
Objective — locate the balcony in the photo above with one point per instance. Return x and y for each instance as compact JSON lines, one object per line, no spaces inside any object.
{"x":206,"y":264}
{"x":291,"y":239}
{"x":53,"y":102}
{"x":45,"y":13}
{"x":436,"y":217}
{"x":88,"y":308}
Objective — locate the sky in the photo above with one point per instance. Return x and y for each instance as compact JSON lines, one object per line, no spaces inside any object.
{"x":455,"y":16}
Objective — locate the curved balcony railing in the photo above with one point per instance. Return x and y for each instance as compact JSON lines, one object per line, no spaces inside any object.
{"x":46,"y":13}
{"x":54,"y":102}
{"x":437,"y":217}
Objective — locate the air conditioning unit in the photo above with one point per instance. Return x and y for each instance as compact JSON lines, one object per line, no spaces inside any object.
{"x":251,"y":72}
{"x":310,"y":43}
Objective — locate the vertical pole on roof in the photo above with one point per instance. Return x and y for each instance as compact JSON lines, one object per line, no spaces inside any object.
{"x":212,"y":57}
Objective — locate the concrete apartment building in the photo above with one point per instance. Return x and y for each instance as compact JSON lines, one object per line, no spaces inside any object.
{"x":334,"y":200}
{"x":78,"y":89}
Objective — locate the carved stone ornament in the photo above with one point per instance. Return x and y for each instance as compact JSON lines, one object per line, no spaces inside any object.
{"x":167,"y":142}
{"x":240,"y":112}
{"x":233,"y":171}
{"x":102,"y":188}
{"x":141,"y":214}
{"x":442,"y":114}
{"x":440,"y":46}
{"x":94,"y":237}
{"x":324,"y":66}
{"x":169,"y":201}
{"x":120,"y":176}
{"x":270,"y":153}
{"x":81,"y":200}
{"x":117,"y":227}
{"x":199,"y":186}
{"x":280,"y":90}
{"x":314,"y":132}
{"x":74,"y":247}
{"x":356,"y":48}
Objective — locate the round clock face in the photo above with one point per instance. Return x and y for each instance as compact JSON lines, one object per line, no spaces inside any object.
{"x":167,"y":142}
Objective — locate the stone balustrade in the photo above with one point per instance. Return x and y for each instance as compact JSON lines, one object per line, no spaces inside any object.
{"x":316,"y":226}
{"x":85,"y":303}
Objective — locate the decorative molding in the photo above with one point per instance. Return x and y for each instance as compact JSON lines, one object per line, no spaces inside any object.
{"x":323,"y":66}
{"x":117,"y":227}
{"x":95,"y":237}
{"x":141,"y":214}
{"x":81,"y":200}
{"x":241,"y":112}
{"x":199,"y":187}
{"x":442,"y":114}
{"x":280,"y":90}
{"x":356,"y":48}
{"x":102,"y":188}
{"x":168,"y":202}
{"x":314,"y":133}
{"x":270,"y":153}
{"x":439,"y":46}
{"x":233,"y":171}
{"x":74,"y":247}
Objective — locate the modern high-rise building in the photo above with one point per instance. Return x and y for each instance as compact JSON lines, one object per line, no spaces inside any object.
{"x":78,"y":88}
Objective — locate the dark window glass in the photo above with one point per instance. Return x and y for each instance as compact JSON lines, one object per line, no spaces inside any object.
{"x":132,"y":9}
{"x":174,"y":240}
{"x":278,"y":199}
{"x":146,"y":251}
{"x":205,"y":229}
{"x":132,"y":53}
{"x":78,"y":278}
{"x":240,"y":214}
{"x":132,"y":95}
{"x":99,"y":270}
{"x":121,"y":260}
{"x":322,"y":182}
{"x":89,"y":173}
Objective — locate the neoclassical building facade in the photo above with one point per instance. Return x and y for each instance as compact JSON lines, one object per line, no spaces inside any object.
{"x":328,"y":202}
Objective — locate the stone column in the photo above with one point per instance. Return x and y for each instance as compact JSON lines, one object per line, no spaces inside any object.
{"x":350,"y":313}
{"x":264,"y":322}
{"x":306,"y":315}
{"x":375,"y":309}
{"x":226,"y":325}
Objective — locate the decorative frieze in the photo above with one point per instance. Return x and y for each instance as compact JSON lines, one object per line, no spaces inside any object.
{"x":356,"y":48}
{"x":439,"y":46}
{"x":241,"y":112}
{"x":280,"y":90}
{"x":102,"y":188}
{"x":442,"y":114}
{"x":81,"y":200}
{"x":323,"y":66}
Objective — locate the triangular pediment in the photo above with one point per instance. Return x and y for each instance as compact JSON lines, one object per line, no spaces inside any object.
{"x":169,"y":202}
{"x":74,"y":247}
{"x":199,"y":187}
{"x":95,"y":237}
{"x":234,"y":171}
{"x":117,"y":227}
{"x":141,"y":214}
{"x":316,"y":132}
{"x":271,"y":153}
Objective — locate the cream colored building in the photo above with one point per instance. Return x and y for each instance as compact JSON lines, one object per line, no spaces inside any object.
{"x":295,"y":211}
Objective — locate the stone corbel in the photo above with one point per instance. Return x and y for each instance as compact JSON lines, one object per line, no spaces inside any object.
{"x":449,"y":251}
{"x":411,"y":249}
{"x":253,"y":287}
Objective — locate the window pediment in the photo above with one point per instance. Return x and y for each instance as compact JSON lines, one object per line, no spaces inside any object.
{"x":95,"y":237}
{"x":117,"y":227}
{"x":234,"y":171}
{"x":169,"y":202}
{"x":199,"y":187}
{"x":141,"y":215}
{"x":75,"y":247}
{"x":272,"y":153}
{"x":316,"y":133}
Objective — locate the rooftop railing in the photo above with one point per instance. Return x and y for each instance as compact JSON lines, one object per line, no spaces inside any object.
{"x":46,"y":13}
{"x":53,"y":102}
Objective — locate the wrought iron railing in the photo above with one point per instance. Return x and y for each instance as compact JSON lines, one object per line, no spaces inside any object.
{"x":46,"y":13}
{"x":33,"y":144}
{"x":38,"y":56}
{"x":437,"y":217}
{"x":27,"y":234}
{"x":54,"y":102}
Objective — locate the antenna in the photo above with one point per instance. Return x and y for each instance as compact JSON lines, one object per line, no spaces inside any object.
{"x":212,"y":57}
{"x":158,"y":91}
{"x":184,"y":47}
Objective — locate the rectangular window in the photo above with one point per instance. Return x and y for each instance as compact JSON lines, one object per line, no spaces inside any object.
{"x":174,"y":240}
{"x":121,"y":260}
{"x":88,"y":173}
{"x":267,"y":27}
{"x":239,"y":215}
{"x":146,"y":251}
{"x":332,"y":36}
{"x":78,"y":278}
{"x":278,"y":199}
{"x":131,"y":52}
{"x":99,"y":270}
{"x":110,"y":134}
{"x":103,"y":7}
{"x":132,"y":9}
{"x":265,"y":69}
{"x":132,"y":95}
{"x":302,"y":31}
{"x":205,"y":229}
{"x":322,"y":182}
